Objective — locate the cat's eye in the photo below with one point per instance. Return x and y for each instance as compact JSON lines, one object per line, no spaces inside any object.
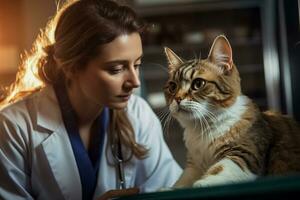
{"x":172,"y":87}
{"x":198,"y":83}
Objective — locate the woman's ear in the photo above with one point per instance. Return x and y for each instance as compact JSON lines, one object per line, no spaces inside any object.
{"x":221,"y":53}
{"x":70,"y":72}
{"x":173,"y":60}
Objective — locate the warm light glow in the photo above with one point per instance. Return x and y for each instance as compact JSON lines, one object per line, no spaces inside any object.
{"x":8,"y":59}
{"x":27,"y":79}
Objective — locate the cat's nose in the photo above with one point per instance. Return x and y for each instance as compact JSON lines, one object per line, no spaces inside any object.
{"x":178,"y":100}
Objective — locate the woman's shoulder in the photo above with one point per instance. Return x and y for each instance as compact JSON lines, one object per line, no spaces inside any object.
{"x":23,"y":107}
{"x":139,"y":106}
{"x":19,"y":107}
{"x":141,"y":114}
{"x":136,"y":101}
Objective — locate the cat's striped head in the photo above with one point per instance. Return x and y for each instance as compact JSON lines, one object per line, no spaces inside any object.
{"x":212,"y":83}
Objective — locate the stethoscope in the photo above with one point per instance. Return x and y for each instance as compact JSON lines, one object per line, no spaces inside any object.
{"x":116,"y":151}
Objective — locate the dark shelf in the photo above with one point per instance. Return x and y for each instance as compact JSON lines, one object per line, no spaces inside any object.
{"x":235,"y":43}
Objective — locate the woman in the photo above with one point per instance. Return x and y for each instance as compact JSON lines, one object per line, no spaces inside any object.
{"x":63,"y":141}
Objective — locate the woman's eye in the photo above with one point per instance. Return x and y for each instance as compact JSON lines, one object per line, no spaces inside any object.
{"x":137,"y":66}
{"x":116,"y":69}
{"x":198,"y":83}
{"x":172,"y":87}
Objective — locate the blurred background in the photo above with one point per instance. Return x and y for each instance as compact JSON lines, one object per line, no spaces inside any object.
{"x":264,"y":35}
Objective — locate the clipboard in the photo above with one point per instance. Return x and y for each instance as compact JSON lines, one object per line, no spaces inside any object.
{"x":118,"y":193}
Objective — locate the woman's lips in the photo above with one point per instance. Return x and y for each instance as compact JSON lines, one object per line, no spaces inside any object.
{"x":124,"y":97}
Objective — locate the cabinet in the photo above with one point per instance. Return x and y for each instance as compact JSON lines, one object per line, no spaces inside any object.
{"x":189,"y":28}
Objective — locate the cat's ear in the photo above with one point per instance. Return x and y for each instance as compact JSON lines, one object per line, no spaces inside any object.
{"x":173,"y":60}
{"x":221,"y":53}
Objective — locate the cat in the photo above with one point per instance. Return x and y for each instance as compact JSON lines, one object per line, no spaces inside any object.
{"x":228,"y":139}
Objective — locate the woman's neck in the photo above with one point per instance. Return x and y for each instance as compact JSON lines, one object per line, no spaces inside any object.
{"x":86,"y":110}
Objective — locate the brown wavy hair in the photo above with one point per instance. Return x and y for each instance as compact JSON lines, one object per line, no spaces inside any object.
{"x":70,"y":39}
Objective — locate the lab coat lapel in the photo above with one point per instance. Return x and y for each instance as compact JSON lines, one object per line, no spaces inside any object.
{"x":61,"y":160}
{"x":57,"y":147}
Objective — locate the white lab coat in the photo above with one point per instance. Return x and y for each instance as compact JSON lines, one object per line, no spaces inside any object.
{"x":37,"y":161}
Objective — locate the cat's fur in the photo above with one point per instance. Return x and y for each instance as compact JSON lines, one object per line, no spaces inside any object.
{"x":227,"y":137}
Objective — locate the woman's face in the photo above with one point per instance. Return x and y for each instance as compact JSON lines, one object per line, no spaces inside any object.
{"x":109,"y":78}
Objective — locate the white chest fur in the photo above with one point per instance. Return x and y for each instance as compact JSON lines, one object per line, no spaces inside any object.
{"x":199,"y":144}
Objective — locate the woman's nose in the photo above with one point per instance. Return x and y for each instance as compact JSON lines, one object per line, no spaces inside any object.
{"x":133,"y":78}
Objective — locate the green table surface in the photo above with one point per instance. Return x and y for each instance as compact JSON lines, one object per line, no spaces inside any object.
{"x":277,"y":187}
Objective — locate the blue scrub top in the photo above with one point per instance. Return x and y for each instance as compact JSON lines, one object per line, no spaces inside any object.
{"x":87,"y":161}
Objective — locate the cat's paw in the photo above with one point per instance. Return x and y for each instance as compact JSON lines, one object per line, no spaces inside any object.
{"x":207,"y":181}
{"x":200,"y":183}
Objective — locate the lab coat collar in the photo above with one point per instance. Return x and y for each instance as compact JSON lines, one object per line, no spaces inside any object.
{"x":48,"y":111}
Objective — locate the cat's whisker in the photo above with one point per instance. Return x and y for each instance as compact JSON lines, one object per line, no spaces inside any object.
{"x":164,"y":116}
{"x":229,"y":112}
{"x":202,"y":128}
{"x":170,"y":121}
{"x":213,"y":119}
{"x":167,"y":123}
{"x":198,"y":118}
{"x":206,"y":131}
{"x":199,"y":56}
{"x":208,"y":119}
{"x":207,"y":127}
{"x":211,"y":106}
{"x":195,"y":56}
{"x":203,"y":123}
{"x":163,"y":113}
{"x":210,"y":114}
{"x":206,"y":110}
{"x":160,"y":66}
{"x":195,"y":121}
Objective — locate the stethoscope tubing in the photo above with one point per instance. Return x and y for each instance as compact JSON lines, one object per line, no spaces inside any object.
{"x":119,"y":161}
{"x":121,"y":176}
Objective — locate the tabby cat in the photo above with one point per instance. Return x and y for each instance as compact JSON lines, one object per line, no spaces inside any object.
{"x":228,"y":139}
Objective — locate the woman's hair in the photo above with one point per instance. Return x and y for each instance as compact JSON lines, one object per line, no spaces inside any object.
{"x":71,"y":39}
